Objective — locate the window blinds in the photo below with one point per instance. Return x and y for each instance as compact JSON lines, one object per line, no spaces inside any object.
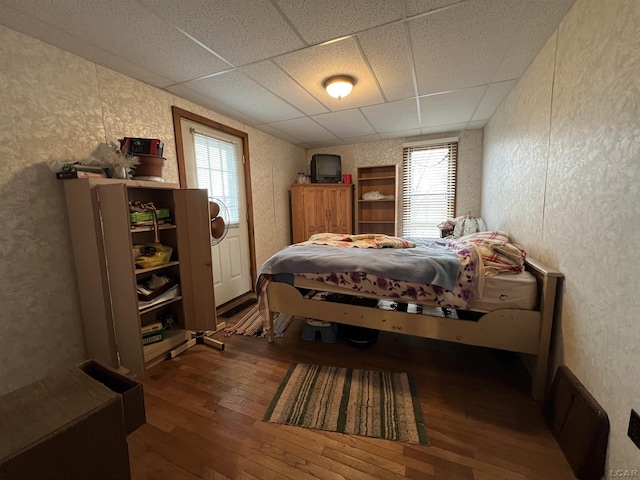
{"x":217,"y":171}
{"x":428,"y":187}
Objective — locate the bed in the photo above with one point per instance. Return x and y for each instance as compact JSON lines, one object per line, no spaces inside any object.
{"x":507,"y":305}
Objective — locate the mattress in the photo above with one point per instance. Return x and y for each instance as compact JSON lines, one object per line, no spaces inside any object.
{"x":505,"y":290}
{"x":519,"y":290}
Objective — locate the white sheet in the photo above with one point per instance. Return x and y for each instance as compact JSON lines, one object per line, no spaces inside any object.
{"x":507,"y":290}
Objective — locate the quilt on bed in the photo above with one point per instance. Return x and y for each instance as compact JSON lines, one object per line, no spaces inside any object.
{"x":441,"y":272}
{"x":468,"y":284}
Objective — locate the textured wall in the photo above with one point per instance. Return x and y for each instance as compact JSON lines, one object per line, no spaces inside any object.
{"x":59,"y":107}
{"x":561,"y":173}
{"x":389,"y":152}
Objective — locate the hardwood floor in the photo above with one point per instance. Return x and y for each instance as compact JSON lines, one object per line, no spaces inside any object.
{"x":205,"y":407}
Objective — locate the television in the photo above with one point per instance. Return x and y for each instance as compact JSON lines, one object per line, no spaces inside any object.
{"x":326,"y":168}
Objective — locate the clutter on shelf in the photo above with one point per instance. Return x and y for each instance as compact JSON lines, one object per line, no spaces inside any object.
{"x":156,"y":289}
{"x":376,"y":195}
{"x":140,"y":158}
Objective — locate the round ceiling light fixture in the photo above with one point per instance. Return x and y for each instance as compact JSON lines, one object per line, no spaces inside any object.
{"x":339,"y":86}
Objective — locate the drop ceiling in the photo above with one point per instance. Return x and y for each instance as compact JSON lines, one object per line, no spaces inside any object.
{"x":422,"y":66}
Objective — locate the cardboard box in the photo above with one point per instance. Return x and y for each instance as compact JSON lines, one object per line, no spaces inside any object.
{"x":130,"y":391}
{"x":70,"y":425}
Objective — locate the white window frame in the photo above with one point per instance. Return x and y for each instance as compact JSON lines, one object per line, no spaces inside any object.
{"x":217,"y":171}
{"x":428,"y":186}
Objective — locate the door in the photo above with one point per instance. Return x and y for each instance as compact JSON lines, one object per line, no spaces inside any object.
{"x":213,"y":161}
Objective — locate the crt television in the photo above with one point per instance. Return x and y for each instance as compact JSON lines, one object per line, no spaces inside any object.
{"x":326,"y":168}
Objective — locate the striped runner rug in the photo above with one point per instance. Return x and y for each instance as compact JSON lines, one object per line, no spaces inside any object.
{"x":357,"y":402}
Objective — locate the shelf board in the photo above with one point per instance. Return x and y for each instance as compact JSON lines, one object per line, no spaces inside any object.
{"x":377,"y":201}
{"x":130,"y":183}
{"x":364,"y":179}
{"x":172,"y":339}
{"x":140,"y":271}
{"x":391,"y":222}
{"x":157,"y":306}
{"x":149,"y":228}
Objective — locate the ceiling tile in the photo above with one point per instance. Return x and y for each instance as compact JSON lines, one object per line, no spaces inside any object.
{"x":393,"y":116}
{"x":451,"y":107}
{"x":476,"y":125}
{"x":496,"y":92}
{"x":414,"y":132}
{"x":531,"y":34}
{"x":272,"y":77}
{"x":462,"y":46}
{"x":231,"y":89}
{"x":63,"y":40}
{"x":305,"y":129}
{"x":185,"y":92}
{"x":415,"y":7}
{"x":347,"y":123}
{"x":265,"y":127}
{"x":444,"y":128}
{"x":116,"y":27}
{"x":317,"y":23}
{"x":309,"y":67}
{"x":387,"y":50}
{"x":363,"y":139}
{"x":241,"y":31}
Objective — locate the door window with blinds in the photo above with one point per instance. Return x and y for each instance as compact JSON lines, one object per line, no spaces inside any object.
{"x":428,"y":186}
{"x":217,"y":171}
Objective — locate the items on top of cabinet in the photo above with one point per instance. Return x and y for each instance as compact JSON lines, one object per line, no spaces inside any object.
{"x":149,"y":151}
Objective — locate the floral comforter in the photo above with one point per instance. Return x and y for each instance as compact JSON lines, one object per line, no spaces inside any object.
{"x":468,"y":284}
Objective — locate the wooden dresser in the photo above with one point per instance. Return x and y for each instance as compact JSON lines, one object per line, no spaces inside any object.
{"x":321,"y":207}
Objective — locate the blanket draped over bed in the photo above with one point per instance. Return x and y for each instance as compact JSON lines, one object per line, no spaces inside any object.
{"x":366,"y":240}
{"x":430,"y":262}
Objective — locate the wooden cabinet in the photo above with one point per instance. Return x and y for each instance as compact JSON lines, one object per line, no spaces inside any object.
{"x":103,"y":240}
{"x":377,"y":215}
{"x":317,"y":208}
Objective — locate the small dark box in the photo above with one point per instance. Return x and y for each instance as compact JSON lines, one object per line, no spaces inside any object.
{"x":144,"y":146}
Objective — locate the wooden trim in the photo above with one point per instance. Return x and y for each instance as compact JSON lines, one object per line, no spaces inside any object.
{"x":516,"y":330}
{"x":178,"y":113}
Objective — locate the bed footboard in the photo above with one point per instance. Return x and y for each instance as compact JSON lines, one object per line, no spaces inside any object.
{"x":523,"y":331}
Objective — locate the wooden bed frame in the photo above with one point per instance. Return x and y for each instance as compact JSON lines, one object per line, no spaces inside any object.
{"x":522,"y":331}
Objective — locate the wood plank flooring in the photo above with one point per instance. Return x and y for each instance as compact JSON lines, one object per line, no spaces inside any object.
{"x":205,"y":407}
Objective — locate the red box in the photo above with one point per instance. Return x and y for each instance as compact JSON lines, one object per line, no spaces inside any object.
{"x":144,"y":146}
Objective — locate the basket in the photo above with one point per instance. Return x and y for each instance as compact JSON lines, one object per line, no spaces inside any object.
{"x":152,"y":255}
{"x":149,"y":166}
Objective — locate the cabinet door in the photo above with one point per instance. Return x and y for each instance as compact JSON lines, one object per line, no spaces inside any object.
{"x":298,"y":212}
{"x":339,"y":209}
{"x":118,"y":249}
{"x":316,"y":214}
{"x":194,"y":245}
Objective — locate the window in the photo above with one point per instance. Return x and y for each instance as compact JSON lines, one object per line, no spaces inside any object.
{"x":217,"y":171}
{"x":428,"y":186}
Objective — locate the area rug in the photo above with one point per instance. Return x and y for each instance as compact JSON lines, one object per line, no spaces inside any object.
{"x":357,"y":402}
